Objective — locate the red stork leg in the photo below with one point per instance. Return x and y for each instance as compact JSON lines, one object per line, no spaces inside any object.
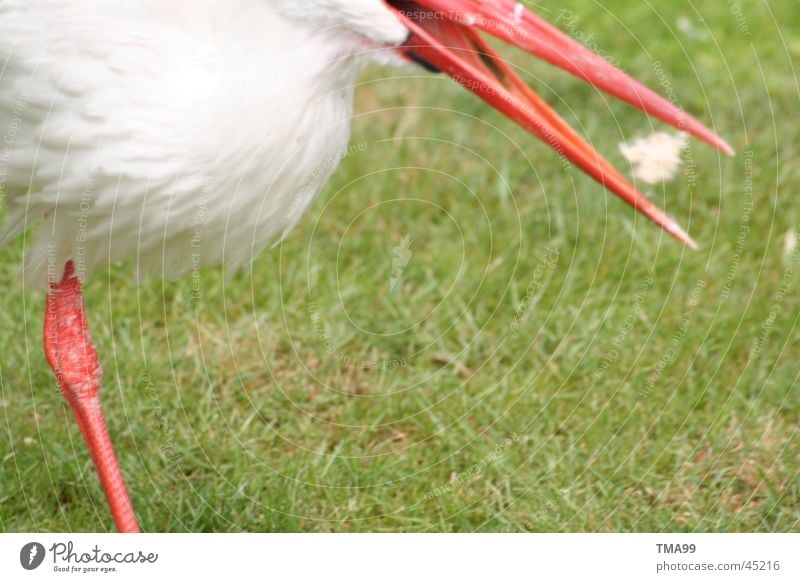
{"x":72,"y":356}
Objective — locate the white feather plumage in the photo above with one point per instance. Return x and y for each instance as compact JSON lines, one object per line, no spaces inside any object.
{"x":170,"y":133}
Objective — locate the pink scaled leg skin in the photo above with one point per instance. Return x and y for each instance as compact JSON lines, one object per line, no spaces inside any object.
{"x":72,"y":356}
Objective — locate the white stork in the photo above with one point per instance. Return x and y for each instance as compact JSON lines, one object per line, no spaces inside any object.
{"x":125,"y":120}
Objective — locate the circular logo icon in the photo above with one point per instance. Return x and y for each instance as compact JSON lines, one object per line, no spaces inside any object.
{"x":31,"y":555}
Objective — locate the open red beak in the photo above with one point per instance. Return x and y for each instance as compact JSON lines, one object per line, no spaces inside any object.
{"x":444,"y":36}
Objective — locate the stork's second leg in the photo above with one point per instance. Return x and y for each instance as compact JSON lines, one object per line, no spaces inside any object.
{"x":72,"y":356}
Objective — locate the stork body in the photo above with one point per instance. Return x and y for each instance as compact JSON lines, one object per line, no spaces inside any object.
{"x":175,"y":134}
{"x":167,"y":133}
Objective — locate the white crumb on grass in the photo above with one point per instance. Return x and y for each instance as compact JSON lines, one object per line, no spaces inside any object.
{"x":789,"y":245}
{"x":655,"y":158}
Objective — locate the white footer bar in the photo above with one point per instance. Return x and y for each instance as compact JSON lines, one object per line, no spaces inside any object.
{"x":401,"y":557}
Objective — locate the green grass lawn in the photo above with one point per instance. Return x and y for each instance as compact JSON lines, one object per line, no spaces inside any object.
{"x":462,"y":335}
